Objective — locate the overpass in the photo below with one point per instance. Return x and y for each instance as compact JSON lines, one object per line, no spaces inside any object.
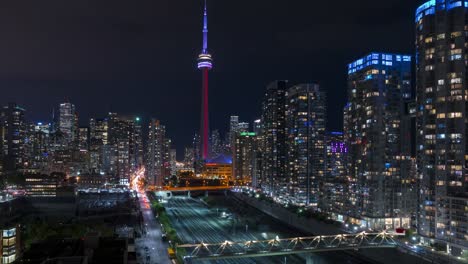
{"x":196,"y":188}
{"x":287,"y":246}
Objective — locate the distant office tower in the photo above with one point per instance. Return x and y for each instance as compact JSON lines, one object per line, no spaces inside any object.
{"x":335,"y":197}
{"x":138,"y":150}
{"x":173,"y":161}
{"x":198,"y":164}
{"x":13,"y":135}
{"x":274,"y":179}
{"x":258,"y":148}
{"x":167,"y":160}
{"x":98,"y":130}
{"x":156,"y":153}
{"x":379,"y":88}
{"x":125,"y":145}
{"x":67,"y":121}
{"x":243,"y":158}
{"x":189,"y":158}
{"x":305,"y":126}
{"x":233,"y":129}
{"x":233,"y":124}
{"x":83,"y":138}
{"x":442,"y":99}
{"x":243,"y":127}
{"x":36,"y":146}
{"x":98,"y":140}
{"x":257,"y":126}
{"x":216,"y":144}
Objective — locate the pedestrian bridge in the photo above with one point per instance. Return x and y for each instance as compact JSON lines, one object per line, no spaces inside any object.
{"x":287,"y":246}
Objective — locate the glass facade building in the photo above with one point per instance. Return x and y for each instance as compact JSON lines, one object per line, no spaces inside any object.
{"x":334,"y":195}
{"x":156,"y":153}
{"x":306,"y":152}
{"x":13,"y":129}
{"x":442,"y":121}
{"x":274,"y":180}
{"x":379,"y":90}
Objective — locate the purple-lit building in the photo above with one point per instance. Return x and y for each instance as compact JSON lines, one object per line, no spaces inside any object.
{"x":335,"y":197}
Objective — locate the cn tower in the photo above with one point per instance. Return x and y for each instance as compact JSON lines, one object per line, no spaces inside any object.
{"x":204,"y":64}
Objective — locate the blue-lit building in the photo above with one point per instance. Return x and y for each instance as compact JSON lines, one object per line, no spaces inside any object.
{"x":442,"y":122}
{"x":379,"y":90}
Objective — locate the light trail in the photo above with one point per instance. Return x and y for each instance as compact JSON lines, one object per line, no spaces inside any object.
{"x":137,"y":180}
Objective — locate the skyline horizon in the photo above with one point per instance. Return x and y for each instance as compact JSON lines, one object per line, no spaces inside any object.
{"x":146,"y":90}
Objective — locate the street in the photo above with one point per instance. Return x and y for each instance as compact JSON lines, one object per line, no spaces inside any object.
{"x":150,"y":247}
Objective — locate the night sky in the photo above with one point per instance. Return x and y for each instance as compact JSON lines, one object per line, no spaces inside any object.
{"x":139,"y":57}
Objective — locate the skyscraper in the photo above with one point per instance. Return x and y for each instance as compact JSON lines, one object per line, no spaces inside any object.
{"x":98,"y":140}
{"x":442,"y":122}
{"x":189,"y":158}
{"x":379,"y":88}
{"x":67,"y":121}
{"x":124,"y":147}
{"x":306,"y":153}
{"x":273,"y":177}
{"x":13,"y":134}
{"x":83,"y":138}
{"x":216,"y":144}
{"x":156,"y":153}
{"x":243,"y":158}
{"x":205,"y":63}
{"x":334,"y":194}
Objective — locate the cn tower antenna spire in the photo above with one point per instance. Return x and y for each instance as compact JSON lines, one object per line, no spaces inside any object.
{"x":205,"y":31}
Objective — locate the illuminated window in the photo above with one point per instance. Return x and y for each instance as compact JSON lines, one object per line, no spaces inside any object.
{"x":455,"y":115}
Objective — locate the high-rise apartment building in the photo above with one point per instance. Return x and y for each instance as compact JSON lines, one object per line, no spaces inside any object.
{"x":306,"y":152}
{"x":379,"y":89}
{"x":124,"y":152}
{"x":243,"y":158}
{"x":274,"y":180}
{"x":442,"y":122}
{"x":156,"y":148}
{"x":334,"y":188}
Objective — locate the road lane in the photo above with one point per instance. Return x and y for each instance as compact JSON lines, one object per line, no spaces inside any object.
{"x":151,"y":244}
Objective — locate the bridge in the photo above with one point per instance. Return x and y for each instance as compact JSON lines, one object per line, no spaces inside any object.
{"x":197,"y":188}
{"x":288,"y":246}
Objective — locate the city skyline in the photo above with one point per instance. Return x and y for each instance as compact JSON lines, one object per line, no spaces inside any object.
{"x":234,"y":40}
{"x":283,"y":164}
